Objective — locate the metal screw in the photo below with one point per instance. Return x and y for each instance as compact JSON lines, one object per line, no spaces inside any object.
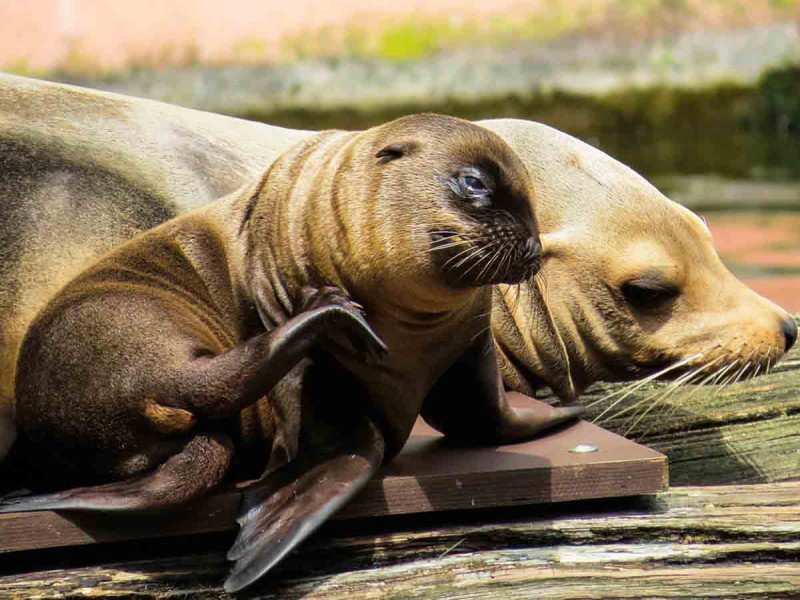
{"x":583,"y":449}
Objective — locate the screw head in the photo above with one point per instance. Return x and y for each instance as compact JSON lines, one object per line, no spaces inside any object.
{"x":583,"y":449}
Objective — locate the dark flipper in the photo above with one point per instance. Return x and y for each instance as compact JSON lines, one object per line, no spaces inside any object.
{"x":222,"y":385}
{"x":468,"y":403}
{"x":189,"y":474}
{"x":282,"y":510}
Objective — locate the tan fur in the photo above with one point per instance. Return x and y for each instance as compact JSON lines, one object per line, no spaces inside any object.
{"x":158,"y":160}
{"x":168,"y":420}
{"x":603,"y":225}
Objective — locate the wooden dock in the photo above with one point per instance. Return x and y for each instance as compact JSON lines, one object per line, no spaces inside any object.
{"x":728,"y":528}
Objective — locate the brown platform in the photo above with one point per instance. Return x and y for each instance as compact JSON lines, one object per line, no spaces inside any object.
{"x":429,"y":475}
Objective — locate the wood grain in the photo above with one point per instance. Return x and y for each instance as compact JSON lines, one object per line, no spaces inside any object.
{"x":693,"y":542}
{"x":748,"y":432}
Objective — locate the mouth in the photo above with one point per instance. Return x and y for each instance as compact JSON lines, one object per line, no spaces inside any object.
{"x":497,"y":256}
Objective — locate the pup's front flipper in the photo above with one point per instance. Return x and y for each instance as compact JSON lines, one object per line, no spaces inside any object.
{"x":220,"y":386}
{"x":468,"y":403}
{"x":198,"y":467}
{"x":282,"y":510}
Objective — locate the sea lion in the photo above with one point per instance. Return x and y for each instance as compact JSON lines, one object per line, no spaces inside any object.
{"x":91,"y":169}
{"x":82,"y":172}
{"x":647,"y":290}
{"x":141,"y":367}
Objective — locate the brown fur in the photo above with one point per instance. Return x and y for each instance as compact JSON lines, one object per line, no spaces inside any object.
{"x":109,"y":369}
{"x":64,"y":158}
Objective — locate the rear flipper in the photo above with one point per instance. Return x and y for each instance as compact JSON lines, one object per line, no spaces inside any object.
{"x":191,"y":473}
{"x":282,"y":510}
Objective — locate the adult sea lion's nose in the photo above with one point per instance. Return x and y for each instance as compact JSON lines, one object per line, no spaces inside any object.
{"x":789,"y":329}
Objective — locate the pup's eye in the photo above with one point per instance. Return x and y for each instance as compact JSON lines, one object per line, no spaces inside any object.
{"x":474,"y":184}
{"x":649,"y":294}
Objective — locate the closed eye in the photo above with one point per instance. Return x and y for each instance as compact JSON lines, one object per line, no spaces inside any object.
{"x":648,"y":294}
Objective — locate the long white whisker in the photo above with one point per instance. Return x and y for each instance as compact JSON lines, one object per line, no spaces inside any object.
{"x":683,"y":379}
{"x":452,"y":258}
{"x":642,"y":382}
{"x":672,"y":388}
{"x":486,"y":254}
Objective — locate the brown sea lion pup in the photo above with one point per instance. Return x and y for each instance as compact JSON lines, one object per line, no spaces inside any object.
{"x":647,"y":291}
{"x":150,"y":365}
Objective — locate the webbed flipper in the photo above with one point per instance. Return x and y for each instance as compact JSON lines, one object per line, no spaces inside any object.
{"x":469,"y":404}
{"x":282,"y":510}
{"x":198,"y":467}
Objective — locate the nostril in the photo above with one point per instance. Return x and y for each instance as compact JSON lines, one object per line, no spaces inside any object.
{"x":532,"y":248}
{"x":789,"y":329}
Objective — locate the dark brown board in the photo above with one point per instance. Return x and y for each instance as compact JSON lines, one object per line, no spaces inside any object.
{"x":429,"y":475}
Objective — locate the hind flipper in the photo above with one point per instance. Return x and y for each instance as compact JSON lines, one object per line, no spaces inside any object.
{"x":283,"y":509}
{"x":189,"y":474}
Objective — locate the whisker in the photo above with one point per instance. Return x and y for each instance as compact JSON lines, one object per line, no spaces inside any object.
{"x":452,"y":258}
{"x":480,"y":333}
{"x":489,"y":264}
{"x":486,"y":253}
{"x":480,"y":247}
{"x":470,"y":253}
{"x":673,"y":387}
{"x":683,"y":379}
{"x":640,"y":383}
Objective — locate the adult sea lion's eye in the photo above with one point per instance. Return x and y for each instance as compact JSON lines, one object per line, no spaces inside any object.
{"x":649,"y":294}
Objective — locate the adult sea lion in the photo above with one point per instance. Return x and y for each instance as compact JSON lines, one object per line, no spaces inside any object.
{"x":84,"y":171}
{"x":647,"y":290}
{"x":141,"y":367}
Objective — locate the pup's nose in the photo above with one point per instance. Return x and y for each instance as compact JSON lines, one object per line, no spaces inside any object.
{"x":533,"y":249}
{"x":789,"y":329}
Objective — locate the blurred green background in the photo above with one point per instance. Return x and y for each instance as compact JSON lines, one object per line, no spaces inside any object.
{"x":700,"y":96}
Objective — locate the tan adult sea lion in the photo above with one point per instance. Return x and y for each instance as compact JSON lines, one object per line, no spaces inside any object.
{"x":152,"y":364}
{"x":85,"y":170}
{"x":647,"y":290}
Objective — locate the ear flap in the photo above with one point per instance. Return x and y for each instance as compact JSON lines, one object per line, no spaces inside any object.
{"x":395,"y":151}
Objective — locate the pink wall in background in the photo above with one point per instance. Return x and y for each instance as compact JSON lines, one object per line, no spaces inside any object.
{"x":39,"y":33}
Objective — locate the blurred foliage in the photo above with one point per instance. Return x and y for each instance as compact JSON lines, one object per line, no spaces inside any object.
{"x":659,"y":131}
{"x":413,"y":38}
{"x":777,"y":105}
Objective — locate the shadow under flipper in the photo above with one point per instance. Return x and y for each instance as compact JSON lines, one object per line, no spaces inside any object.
{"x":283,"y":509}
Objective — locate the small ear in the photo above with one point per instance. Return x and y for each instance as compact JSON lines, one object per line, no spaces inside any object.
{"x":395,"y":151}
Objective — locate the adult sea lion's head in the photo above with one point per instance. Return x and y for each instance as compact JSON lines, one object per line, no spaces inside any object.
{"x":630,"y":285}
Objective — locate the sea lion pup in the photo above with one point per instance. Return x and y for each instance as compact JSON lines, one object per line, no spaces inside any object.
{"x":140,"y":367}
{"x":630,"y":285}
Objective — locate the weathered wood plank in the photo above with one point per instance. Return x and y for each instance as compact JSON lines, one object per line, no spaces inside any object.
{"x":428,"y":476}
{"x":718,"y":542}
{"x":748,"y":432}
